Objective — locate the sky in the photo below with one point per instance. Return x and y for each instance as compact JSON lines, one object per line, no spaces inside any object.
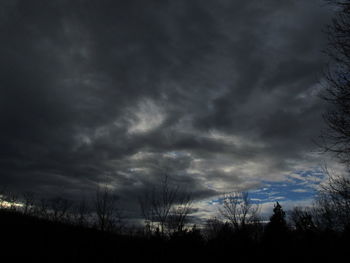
{"x":220,"y":96}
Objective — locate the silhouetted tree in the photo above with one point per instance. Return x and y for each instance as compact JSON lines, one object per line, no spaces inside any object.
{"x":337,"y":137}
{"x":81,"y":213}
{"x":239,"y":210}
{"x":212,"y":228}
{"x":58,"y":208}
{"x":42,"y":208}
{"x":109,"y":216}
{"x":178,"y":217}
{"x":166,"y":207}
{"x":28,"y":203}
{"x":12,"y":200}
{"x":333,"y":203}
{"x":8,"y":199}
{"x":277,"y":228}
{"x":278,"y":217}
{"x":2,"y":198}
{"x":302,"y":219}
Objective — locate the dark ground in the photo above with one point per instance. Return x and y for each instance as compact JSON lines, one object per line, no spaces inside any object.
{"x":30,"y":239}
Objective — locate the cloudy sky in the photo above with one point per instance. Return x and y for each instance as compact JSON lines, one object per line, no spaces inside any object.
{"x":218,"y":95}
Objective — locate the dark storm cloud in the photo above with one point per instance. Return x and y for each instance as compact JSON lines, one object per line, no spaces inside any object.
{"x":217,"y":94}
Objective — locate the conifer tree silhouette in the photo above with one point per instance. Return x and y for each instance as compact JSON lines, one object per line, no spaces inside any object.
{"x":277,"y":227}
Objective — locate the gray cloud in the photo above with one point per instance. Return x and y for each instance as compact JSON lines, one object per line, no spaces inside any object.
{"x":219,"y":95}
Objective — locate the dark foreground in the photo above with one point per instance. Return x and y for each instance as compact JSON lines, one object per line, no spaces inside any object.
{"x":30,"y":239}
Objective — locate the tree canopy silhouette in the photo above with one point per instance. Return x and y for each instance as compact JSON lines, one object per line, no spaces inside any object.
{"x":277,"y":226}
{"x":336,"y":138}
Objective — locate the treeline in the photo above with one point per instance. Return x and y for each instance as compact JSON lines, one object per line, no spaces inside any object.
{"x":100,"y":212}
{"x":167,"y":210}
{"x":98,"y":229}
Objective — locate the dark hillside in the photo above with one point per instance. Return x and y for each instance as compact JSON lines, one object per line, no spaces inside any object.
{"x":27,"y":238}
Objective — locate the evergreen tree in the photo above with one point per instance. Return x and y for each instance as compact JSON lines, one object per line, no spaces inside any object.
{"x":278,"y":217}
{"x":277,"y":227}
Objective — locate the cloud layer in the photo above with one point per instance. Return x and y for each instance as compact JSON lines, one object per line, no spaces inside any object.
{"x":219,"y":95}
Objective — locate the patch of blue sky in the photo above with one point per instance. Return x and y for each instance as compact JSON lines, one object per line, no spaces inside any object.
{"x":279,"y":191}
{"x":298,"y":186}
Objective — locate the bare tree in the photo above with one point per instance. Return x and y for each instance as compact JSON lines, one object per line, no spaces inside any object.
{"x":165,"y":207}
{"x":336,"y":138}
{"x":238,"y":209}
{"x":109,"y":216}
{"x":303,"y":219}
{"x":212,"y":228}
{"x":179,"y":212}
{"x":12,"y":199}
{"x":9,"y":199}
{"x":333,"y":203}
{"x":81,"y":214}
{"x":58,"y":208}
{"x":2,"y":198}
{"x":42,"y":208}
{"x":28,"y":203}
